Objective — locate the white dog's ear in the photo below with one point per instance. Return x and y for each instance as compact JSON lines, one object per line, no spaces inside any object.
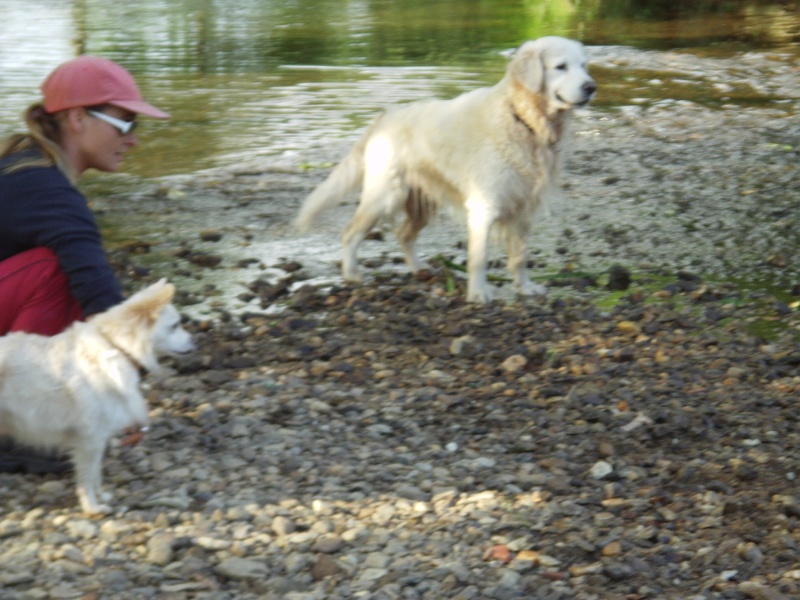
{"x":149,"y":302}
{"x":526,"y":67}
{"x":163,"y":293}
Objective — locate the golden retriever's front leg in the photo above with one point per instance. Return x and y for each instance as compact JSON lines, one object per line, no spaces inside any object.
{"x":479,"y":224}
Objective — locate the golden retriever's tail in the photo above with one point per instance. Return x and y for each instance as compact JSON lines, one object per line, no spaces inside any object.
{"x":345,"y":179}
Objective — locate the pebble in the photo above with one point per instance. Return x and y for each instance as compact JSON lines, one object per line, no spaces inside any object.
{"x":758,"y":591}
{"x":159,"y":549}
{"x":242,"y":568}
{"x":282,"y":526}
{"x":82,"y":529}
{"x":601,"y":469}
{"x":328,"y":544}
{"x":325,"y":566}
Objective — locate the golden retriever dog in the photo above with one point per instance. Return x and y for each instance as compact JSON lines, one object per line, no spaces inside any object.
{"x":75,"y":390}
{"x":494,"y":152}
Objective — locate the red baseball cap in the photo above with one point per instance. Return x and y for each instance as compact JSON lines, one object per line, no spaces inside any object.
{"x":90,"y":81}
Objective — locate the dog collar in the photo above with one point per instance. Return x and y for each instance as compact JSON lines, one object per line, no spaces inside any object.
{"x":143,"y":371}
{"x":140,"y":368}
{"x":519,"y":119}
{"x":553,"y":143}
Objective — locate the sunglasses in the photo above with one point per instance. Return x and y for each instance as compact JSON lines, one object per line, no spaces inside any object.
{"x":124,"y":127}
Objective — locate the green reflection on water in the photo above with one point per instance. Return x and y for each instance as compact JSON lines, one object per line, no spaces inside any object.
{"x":208,"y":36}
{"x":636,"y":87}
{"x":221,"y":67}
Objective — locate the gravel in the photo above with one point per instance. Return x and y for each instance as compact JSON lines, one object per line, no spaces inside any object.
{"x":348,"y":448}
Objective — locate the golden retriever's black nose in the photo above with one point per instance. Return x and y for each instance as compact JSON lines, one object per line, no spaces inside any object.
{"x":589,"y":88}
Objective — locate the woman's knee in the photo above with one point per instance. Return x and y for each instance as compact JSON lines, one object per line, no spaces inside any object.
{"x":35,"y":295}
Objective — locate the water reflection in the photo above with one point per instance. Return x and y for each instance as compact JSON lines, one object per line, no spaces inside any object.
{"x":268,"y":77}
{"x":211,"y":36}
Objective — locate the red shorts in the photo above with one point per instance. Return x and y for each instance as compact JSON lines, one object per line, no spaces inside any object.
{"x":34,"y":294}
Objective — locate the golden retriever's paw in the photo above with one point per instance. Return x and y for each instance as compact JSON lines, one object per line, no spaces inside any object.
{"x":416,"y":265}
{"x":349,"y":267}
{"x":353,"y":277}
{"x":532,"y":289}
{"x":480,"y":295}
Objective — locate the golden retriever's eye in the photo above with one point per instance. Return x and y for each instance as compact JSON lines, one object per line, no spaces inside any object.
{"x":561,"y":67}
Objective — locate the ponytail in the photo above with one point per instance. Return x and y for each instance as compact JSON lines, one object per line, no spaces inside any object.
{"x":44,"y":135}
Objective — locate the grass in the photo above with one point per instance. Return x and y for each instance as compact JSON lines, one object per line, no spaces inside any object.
{"x":763,"y":297}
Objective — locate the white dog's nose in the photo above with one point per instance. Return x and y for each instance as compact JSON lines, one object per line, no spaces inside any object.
{"x":590,"y":87}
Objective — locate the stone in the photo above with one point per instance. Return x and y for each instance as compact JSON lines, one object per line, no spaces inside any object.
{"x":159,"y":549}
{"x":242,"y":569}
{"x":600,"y":470}
{"x":282,"y":525}
{"x":325,"y":566}
{"x":328,"y":544}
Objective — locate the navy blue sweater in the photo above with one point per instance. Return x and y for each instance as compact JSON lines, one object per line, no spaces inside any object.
{"x":40,"y":207}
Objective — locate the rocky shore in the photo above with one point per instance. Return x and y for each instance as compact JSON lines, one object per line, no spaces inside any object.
{"x":634,"y":435}
{"x":393,"y":442}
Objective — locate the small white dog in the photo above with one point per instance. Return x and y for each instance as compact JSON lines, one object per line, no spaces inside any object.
{"x":494,"y":152}
{"x":75,"y":390}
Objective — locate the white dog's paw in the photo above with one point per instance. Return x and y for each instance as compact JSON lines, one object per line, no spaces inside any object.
{"x":105,"y":496}
{"x":97,"y":509}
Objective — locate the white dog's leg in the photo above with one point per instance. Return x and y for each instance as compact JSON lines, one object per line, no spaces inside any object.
{"x":89,"y":474}
{"x":479,"y":225}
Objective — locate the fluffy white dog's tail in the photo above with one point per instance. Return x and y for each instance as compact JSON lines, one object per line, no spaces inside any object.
{"x":345,"y":179}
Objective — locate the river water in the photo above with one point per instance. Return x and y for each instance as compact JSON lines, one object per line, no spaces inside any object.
{"x":275,"y":77}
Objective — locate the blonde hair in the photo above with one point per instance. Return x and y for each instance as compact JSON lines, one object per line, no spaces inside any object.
{"x":44,"y":134}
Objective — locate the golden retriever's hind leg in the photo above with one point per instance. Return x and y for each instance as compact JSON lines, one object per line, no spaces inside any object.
{"x":418,"y":214}
{"x":366,"y":217}
{"x":516,"y":248}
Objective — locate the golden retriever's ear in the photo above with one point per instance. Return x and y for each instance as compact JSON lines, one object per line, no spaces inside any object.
{"x":526,"y":67}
